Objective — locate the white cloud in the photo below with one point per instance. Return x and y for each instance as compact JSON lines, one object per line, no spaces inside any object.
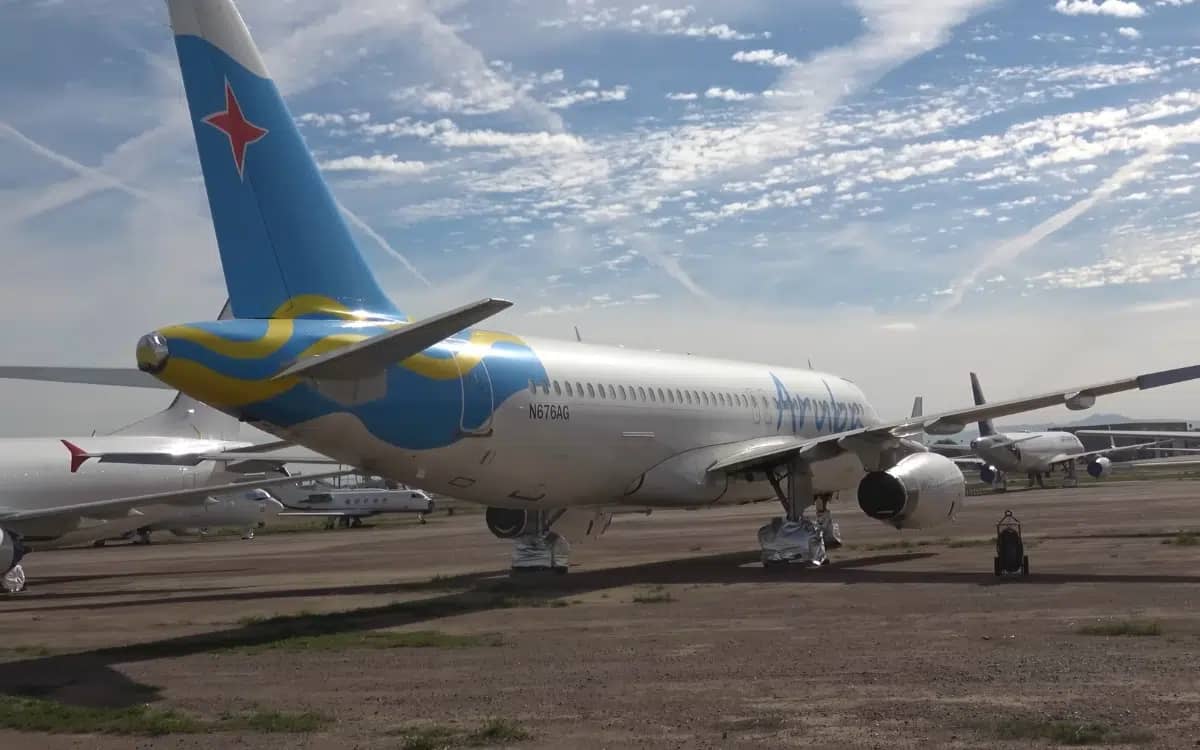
{"x":683,"y":96}
{"x":521,"y":143}
{"x":764,"y":57}
{"x":1167,"y":306}
{"x":566,"y":99}
{"x":386,"y":163}
{"x":1129,"y":32}
{"x":729,"y":95}
{"x":1117,"y":8}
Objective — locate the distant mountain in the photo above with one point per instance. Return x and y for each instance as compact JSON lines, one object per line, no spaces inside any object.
{"x":1090,"y":419}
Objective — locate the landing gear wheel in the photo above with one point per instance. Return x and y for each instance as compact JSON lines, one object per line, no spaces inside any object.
{"x":996,"y":567}
{"x":1025,"y":566}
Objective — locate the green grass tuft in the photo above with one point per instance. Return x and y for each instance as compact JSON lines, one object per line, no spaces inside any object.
{"x":656,"y":595}
{"x":1065,"y":732}
{"x":1184,"y":539}
{"x":38,"y":715}
{"x":497,"y":731}
{"x":438,"y":737}
{"x":274,"y":722}
{"x":1140,"y":628}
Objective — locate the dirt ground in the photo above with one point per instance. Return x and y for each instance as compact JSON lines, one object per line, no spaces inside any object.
{"x":666,"y":633}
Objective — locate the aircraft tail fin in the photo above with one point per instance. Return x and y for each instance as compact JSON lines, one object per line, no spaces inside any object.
{"x":918,"y":406}
{"x":186,"y":417}
{"x":285,"y":249}
{"x":985,"y":425}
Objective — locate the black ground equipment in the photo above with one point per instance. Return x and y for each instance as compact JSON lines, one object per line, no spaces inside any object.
{"x":1010,"y":548}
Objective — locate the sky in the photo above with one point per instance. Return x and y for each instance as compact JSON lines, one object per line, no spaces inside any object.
{"x":897,"y":191}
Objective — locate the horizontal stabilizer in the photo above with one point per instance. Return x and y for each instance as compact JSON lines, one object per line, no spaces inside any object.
{"x":242,"y":460}
{"x":374,"y":355}
{"x":127,"y":377}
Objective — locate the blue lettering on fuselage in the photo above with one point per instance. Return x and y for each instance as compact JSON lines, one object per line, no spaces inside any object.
{"x":830,"y":415}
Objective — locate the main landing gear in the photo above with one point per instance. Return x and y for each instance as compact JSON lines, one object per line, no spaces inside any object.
{"x":536,"y":548}
{"x":13,"y":581}
{"x":1070,"y":479}
{"x":794,"y":538}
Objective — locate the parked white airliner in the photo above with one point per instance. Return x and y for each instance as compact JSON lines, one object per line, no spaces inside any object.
{"x":179,"y":469}
{"x":1033,"y":453}
{"x":540,"y":431}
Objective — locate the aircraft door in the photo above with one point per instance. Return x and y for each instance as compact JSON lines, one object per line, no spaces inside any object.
{"x":478,"y":399}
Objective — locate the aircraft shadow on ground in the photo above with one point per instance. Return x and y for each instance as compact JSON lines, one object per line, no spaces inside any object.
{"x":89,"y":677}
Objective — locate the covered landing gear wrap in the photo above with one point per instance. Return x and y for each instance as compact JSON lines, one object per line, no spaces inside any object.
{"x":546,"y":551}
{"x":535,"y":546}
{"x":1070,"y":478}
{"x":13,"y":581}
{"x":793,"y":538}
{"x":11,"y":552}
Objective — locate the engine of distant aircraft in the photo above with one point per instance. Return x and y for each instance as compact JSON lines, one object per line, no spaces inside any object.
{"x":922,"y":490}
{"x":506,"y":523}
{"x":11,"y":551}
{"x":1099,"y":467}
{"x":987,"y":474}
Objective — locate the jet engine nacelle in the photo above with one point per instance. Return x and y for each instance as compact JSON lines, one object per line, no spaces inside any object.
{"x":11,"y":552}
{"x":506,"y":523}
{"x":1099,"y":467}
{"x":987,"y":474}
{"x":922,"y":490}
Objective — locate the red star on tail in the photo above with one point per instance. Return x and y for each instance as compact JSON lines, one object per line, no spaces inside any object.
{"x":232,"y":123}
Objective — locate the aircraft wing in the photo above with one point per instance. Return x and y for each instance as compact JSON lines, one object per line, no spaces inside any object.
{"x":337,"y":513}
{"x":1064,"y":457}
{"x":966,"y":460}
{"x":116,"y":506}
{"x":119,"y":376}
{"x":867,"y":442}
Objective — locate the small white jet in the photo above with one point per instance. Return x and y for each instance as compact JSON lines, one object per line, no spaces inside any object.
{"x":181,"y":468}
{"x":1033,"y":453}
{"x":348,"y":505}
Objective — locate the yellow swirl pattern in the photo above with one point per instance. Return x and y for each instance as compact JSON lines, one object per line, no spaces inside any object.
{"x":218,"y":389}
{"x":280,"y":328}
{"x":466,"y":357}
{"x":229,"y":391}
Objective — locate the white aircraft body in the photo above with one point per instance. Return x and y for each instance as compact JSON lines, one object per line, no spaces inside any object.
{"x":1034,"y":453}
{"x":57,"y":493}
{"x":247,"y":512}
{"x":347,"y":505}
{"x":549,"y":435}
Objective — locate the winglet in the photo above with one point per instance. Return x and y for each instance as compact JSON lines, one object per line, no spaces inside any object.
{"x":78,"y":455}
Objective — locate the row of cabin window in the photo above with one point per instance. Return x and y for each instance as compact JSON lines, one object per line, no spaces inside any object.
{"x":639,"y":393}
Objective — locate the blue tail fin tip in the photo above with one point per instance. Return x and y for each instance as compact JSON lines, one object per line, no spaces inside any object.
{"x":285,"y":249}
